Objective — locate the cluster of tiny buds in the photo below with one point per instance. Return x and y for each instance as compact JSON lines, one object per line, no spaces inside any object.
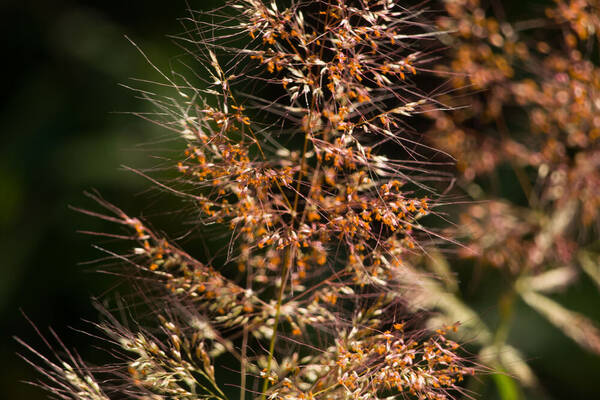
{"x":317,"y":230}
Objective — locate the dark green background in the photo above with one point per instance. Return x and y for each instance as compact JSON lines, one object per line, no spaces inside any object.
{"x":61,"y":134}
{"x":63,"y":61}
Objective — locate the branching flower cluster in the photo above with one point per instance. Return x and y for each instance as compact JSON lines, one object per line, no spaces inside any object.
{"x":322,"y":200}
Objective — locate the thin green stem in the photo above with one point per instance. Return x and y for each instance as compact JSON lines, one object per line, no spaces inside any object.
{"x":506,"y":305}
{"x":243,"y":360}
{"x":289,"y":258}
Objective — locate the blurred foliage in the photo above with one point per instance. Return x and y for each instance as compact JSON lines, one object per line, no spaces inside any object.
{"x":523,"y":86}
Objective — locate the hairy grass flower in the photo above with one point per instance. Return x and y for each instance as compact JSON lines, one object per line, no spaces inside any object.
{"x":322,"y":199}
